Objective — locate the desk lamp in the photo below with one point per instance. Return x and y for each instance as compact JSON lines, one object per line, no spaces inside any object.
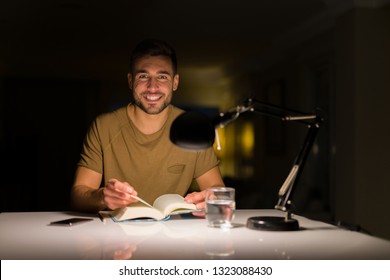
{"x":196,"y":131}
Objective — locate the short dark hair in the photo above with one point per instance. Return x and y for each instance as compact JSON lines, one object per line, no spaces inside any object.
{"x":153,"y":47}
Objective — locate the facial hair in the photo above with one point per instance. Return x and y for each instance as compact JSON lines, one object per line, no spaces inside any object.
{"x":151,"y":109}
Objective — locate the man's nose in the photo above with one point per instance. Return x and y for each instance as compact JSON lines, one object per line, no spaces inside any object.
{"x":152,"y":84}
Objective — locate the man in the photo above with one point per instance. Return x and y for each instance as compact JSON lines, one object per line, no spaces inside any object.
{"x":128,"y":152}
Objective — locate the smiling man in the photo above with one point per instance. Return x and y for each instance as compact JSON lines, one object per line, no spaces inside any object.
{"x":127,"y":152}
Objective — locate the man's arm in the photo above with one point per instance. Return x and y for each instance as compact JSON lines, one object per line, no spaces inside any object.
{"x":86,"y":196}
{"x":211,"y":178}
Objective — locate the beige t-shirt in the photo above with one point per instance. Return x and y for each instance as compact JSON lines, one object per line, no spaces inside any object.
{"x":153,"y":165}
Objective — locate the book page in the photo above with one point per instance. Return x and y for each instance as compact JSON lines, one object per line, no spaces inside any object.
{"x":167,"y":203}
{"x":141,"y":200}
{"x":136,"y":211}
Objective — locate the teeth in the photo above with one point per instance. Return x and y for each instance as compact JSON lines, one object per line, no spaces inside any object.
{"x":152,"y":98}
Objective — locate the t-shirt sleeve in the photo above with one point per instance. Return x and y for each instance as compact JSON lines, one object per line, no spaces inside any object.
{"x":91,"y":152}
{"x":205,"y":161}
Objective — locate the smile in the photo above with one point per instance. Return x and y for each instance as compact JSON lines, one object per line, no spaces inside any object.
{"x":152,"y":97}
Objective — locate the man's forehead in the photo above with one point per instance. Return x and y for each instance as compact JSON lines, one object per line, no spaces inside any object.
{"x":157,"y":62}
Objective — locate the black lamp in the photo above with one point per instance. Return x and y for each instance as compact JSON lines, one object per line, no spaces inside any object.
{"x":196,"y":131}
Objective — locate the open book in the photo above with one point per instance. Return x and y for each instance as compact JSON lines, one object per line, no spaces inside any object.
{"x":162,"y":208}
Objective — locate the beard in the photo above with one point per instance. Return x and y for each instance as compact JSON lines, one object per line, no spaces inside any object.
{"x":151,"y":109}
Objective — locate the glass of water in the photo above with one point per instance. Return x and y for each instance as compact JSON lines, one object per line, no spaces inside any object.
{"x":220,"y":207}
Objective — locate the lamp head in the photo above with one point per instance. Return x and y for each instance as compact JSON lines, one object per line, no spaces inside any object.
{"x":193,"y":131}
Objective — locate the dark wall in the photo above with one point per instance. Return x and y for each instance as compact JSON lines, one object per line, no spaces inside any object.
{"x":43,"y":124}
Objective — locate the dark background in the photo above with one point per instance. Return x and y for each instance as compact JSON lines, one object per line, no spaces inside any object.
{"x":63,"y":62}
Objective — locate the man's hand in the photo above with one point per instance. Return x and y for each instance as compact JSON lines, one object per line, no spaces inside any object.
{"x":198,"y":198}
{"x":116,"y":194}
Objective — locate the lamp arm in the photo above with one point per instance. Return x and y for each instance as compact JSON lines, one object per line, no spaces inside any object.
{"x":222,"y":119}
{"x":286,"y":190}
{"x":313,"y":122}
{"x":266,"y":109}
{"x":283,"y":114}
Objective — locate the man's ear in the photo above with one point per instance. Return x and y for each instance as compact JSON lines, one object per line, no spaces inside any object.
{"x":130,"y":80}
{"x":175,"y":82}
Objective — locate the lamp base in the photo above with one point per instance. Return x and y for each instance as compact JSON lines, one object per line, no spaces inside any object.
{"x":272,"y":223}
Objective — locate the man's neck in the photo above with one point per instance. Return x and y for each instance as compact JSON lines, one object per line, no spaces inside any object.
{"x":147,"y":123}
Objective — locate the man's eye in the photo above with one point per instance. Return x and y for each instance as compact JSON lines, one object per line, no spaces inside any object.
{"x":143,"y":76}
{"x":163,"y":77}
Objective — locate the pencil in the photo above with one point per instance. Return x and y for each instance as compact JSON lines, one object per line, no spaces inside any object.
{"x":101,"y":217}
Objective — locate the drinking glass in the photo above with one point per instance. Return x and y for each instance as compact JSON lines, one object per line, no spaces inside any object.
{"x":220,"y":207}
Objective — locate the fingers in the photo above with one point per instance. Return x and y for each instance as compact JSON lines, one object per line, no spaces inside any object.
{"x":199,"y":214}
{"x":117,"y":194}
{"x":119,"y":186}
{"x":195,"y":197}
{"x":198,"y":198}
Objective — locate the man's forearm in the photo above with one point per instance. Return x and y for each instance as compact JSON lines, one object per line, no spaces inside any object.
{"x":85,"y":199}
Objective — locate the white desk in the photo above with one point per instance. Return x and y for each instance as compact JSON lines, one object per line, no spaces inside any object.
{"x":28,"y":236}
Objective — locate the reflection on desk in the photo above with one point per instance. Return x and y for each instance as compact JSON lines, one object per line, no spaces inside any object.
{"x":28,"y":236}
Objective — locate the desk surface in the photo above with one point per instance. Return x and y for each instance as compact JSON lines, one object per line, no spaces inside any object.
{"x":29,"y":236}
